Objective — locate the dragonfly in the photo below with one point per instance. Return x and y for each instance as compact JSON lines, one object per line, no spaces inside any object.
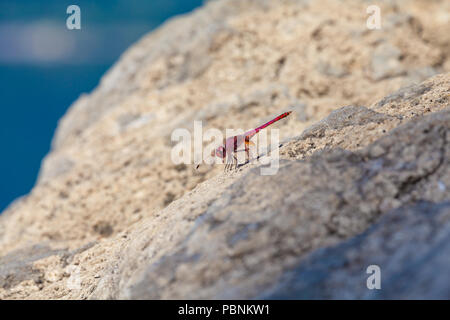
{"x":227,"y":151}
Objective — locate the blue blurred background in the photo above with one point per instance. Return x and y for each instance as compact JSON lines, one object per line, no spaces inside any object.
{"x":44,"y":67}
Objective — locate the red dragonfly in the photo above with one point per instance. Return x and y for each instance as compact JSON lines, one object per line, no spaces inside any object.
{"x":230,"y":146}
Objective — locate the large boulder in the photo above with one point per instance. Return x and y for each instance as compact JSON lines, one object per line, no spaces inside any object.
{"x":113,"y":217}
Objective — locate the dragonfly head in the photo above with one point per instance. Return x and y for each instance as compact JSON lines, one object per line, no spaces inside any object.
{"x":219,"y":152}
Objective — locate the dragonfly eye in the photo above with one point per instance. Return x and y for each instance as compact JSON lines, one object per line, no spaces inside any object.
{"x":220,"y":152}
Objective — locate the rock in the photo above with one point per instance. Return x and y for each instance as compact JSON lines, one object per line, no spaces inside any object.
{"x":17,"y":267}
{"x":328,"y":69}
{"x":26,"y":271}
{"x":54,"y":165}
{"x":410,"y":245}
{"x":420,"y":74}
{"x":371,"y":123}
{"x":113,"y":217}
{"x":301,"y":110}
{"x":249,"y":235}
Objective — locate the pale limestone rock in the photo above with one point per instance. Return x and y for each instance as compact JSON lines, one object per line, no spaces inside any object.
{"x":110,"y":202}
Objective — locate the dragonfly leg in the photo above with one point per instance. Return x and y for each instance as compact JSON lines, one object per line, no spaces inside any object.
{"x":235,"y":162}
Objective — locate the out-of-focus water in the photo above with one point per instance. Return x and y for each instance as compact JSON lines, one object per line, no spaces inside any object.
{"x":36,"y":87}
{"x":33,"y":98}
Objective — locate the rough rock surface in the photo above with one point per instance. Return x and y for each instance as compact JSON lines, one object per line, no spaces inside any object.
{"x":410,"y":245}
{"x":261,"y":225}
{"x":113,"y":217}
